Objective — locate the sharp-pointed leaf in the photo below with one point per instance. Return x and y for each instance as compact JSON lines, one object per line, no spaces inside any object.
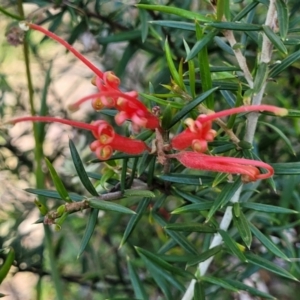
{"x":80,"y":170}
{"x":54,"y":194}
{"x":190,"y":197}
{"x":199,"y":291}
{"x":192,"y":208}
{"x":243,"y":227}
{"x":219,"y":282}
{"x":283,"y":18}
{"x":138,"y":193}
{"x":261,"y":77}
{"x":5,"y":267}
{"x":141,"y":208}
{"x":191,"y":227}
{"x":144,"y":24}
{"x":275,"y":39}
{"x":224,"y":197}
{"x":223,"y":45}
{"x":223,"y":85}
{"x":58,"y":182}
{"x":78,"y":30}
{"x":282,"y":135}
{"x":268,"y":208}
{"x":120,"y":37}
{"x":245,"y":11}
{"x":174,"y":24}
{"x":204,"y":68}
{"x":137,"y":285}
{"x":161,"y":277}
{"x":241,"y":286}
{"x":175,"y":11}
{"x":268,"y":265}
{"x":179,"y":238}
{"x":189,"y":107}
{"x":238,"y":26}
{"x":209,"y":37}
{"x":90,"y":227}
{"x":110,"y":206}
{"x":171,"y":65}
{"x":204,"y":256}
{"x":162,"y":101}
{"x":268,"y":243}
{"x":292,"y":168}
{"x":284,"y":64}
{"x":232,"y":245}
{"x":186,"y":179}
{"x":155,"y":259}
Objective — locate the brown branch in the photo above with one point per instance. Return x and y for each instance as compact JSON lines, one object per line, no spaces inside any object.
{"x":70,"y":208}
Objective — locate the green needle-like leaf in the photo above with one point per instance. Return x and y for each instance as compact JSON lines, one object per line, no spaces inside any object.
{"x":175,"y":11}
{"x":81,"y":171}
{"x":207,"y":38}
{"x":163,"y":264}
{"x":174,"y":24}
{"x":292,"y":168}
{"x":186,"y":179}
{"x":171,"y":65}
{"x":179,"y":238}
{"x":268,"y":265}
{"x":219,"y":282}
{"x":204,"y":68}
{"x":232,"y":245}
{"x":141,"y":208}
{"x":5,"y":267}
{"x":243,"y":227}
{"x":283,"y":18}
{"x":224,"y":197}
{"x":204,"y":255}
{"x":282,"y":135}
{"x":275,"y":39}
{"x":137,"y":284}
{"x":191,"y":227}
{"x":268,"y":243}
{"x":54,"y":194}
{"x":238,"y":26}
{"x":191,"y":106}
{"x":268,"y":208}
{"x":110,"y":206}
{"x":90,"y":227}
{"x":192,"y":208}
{"x":58,"y":182}
{"x":284,"y":64}
{"x":241,"y":286}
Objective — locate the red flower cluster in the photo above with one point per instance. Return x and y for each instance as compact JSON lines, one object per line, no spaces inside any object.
{"x":195,"y":136}
{"x":109,"y":94}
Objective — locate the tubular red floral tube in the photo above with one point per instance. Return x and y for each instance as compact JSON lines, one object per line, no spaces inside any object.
{"x":246,"y":167}
{"x":106,"y":139}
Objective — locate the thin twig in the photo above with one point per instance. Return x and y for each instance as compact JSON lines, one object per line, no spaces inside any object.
{"x":239,"y":57}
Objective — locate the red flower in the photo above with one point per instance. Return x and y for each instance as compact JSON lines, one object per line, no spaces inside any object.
{"x":246,"y":167}
{"x":106,"y":139}
{"x":109,"y":93}
{"x":196,"y":135}
{"x":199,"y":132}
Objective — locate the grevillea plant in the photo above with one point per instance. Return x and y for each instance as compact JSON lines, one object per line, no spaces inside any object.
{"x":184,"y":154}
